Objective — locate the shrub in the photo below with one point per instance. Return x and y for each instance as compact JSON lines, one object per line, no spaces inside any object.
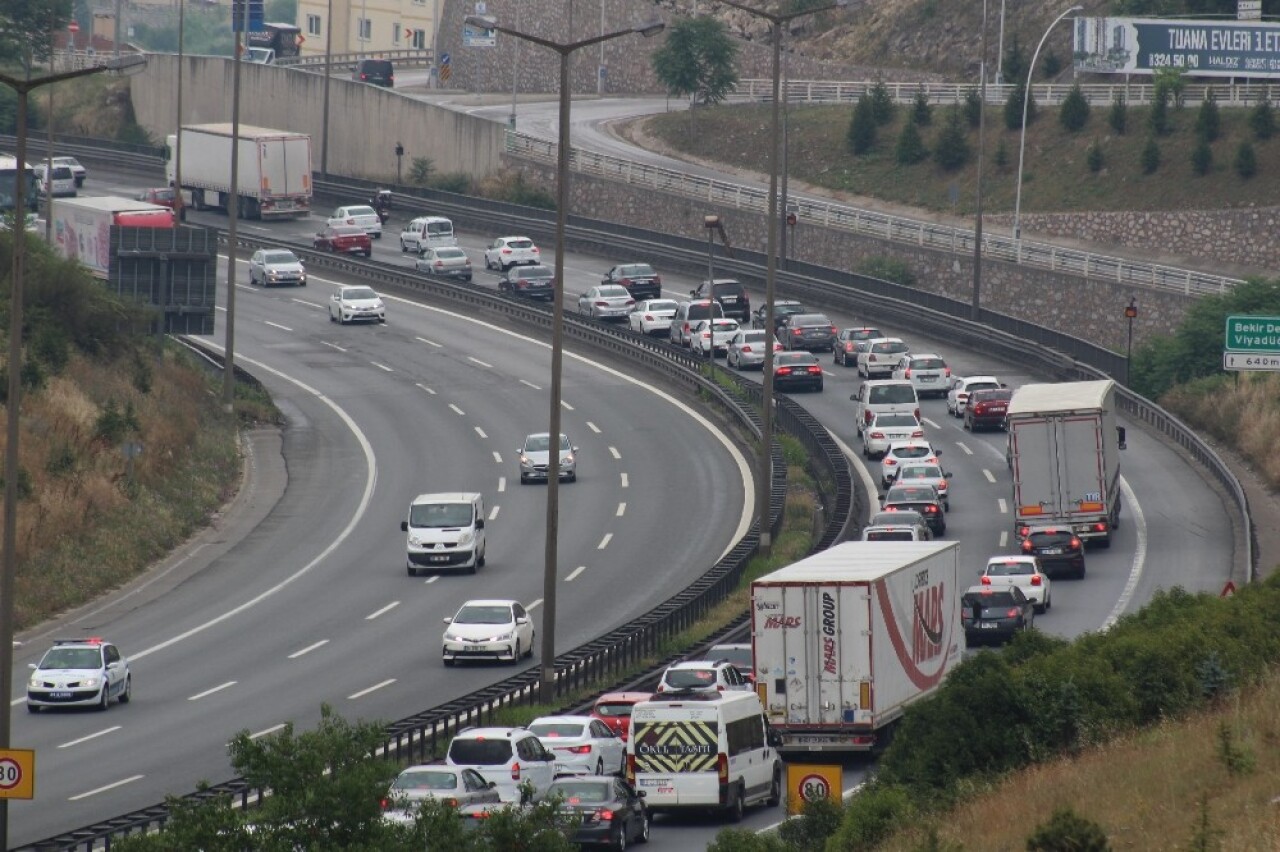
{"x":1262,"y":120}
{"x":1068,"y":832}
{"x":862,"y":127}
{"x":952,"y":148}
{"x":1201,"y":158}
{"x":421,"y":171}
{"x":1093,"y":157}
{"x":973,"y":107}
{"x":1246,"y":161}
{"x":1118,"y":117}
{"x":818,"y":820}
{"x":457,"y":182}
{"x":1074,"y":112}
{"x":921,"y":111}
{"x":1014,"y":67}
{"x":888,"y":269}
{"x":1158,"y":118}
{"x":1002,"y":154}
{"x":1052,"y":64}
{"x":1150,"y":157}
{"x":1208,"y":121}
{"x":882,"y":106}
{"x":1013,"y":109}
{"x":872,"y":815}
{"x":910,"y":147}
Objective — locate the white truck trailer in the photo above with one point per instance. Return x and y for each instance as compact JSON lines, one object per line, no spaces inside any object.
{"x":844,"y":640}
{"x":1064,"y":453}
{"x":274,"y":166}
{"x":82,"y":226}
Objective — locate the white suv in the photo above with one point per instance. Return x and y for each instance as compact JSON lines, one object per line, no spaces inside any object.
{"x":79,"y":673}
{"x":511,"y":758}
{"x":703,"y":676}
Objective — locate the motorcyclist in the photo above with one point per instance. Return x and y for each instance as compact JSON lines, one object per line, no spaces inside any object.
{"x":382,"y":204}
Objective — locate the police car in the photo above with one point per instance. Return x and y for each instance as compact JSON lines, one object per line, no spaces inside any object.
{"x":79,"y":673}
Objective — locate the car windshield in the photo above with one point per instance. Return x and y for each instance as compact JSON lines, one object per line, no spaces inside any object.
{"x":927,"y":364}
{"x":892,"y":519}
{"x":922,"y":471}
{"x":893,"y":419}
{"x":910,"y":493}
{"x":483,"y":614}
{"x":638,"y":270}
{"x":690,"y":678}
{"x":663,"y":305}
{"x":440,"y":515}
{"x":891,"y":394}
{"x":614,"y":709}
{"x":1009,"y":568}
{"x":791,"y":359}
{"x":989,"y":604}
{"x":72,"y":658}
{"x":557,"y":729}
{"x":888,"y":348}
{"x":520,"y":244}
{"x":581,"y":791}
{"x":542,"y":443}
{"x":360,"y":211}
{"x":534,"y":272}
{"x":810,"y":319}
{"x":426,"y":779}
{"x":614,"y":291}
{"x":439,"y":227}
{"x":900,"y":534}
{"x":279,"y":257}
{"x":353,"y":293}
{"x":479,"y":752}
{"x":910,"y":452}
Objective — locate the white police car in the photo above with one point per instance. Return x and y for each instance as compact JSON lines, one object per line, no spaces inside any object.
{"x":79,"y":673}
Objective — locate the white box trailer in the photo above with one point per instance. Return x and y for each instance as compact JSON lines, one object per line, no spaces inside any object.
{"x":1064,"y":454}
{"x":274,"y":169}
{"x":82,"y":226}
{"x":844,"y":640}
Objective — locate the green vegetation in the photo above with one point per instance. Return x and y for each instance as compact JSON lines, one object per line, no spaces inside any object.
{"x":697,"y":60}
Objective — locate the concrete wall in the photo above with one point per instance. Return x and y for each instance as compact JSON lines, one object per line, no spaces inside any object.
{"x":365,"y":122}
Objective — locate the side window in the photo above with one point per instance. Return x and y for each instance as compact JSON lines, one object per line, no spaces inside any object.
{"x":112,"y":655}
{"x":519,"y":611}
{"x":738,"y":735}
{"x":524,"y":749}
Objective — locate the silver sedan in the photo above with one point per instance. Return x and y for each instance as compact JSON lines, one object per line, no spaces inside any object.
{"x":446,"y":262}
{"x":746,"y":348}
{"x":607,"y":301}
{"x":455,"y":785}
{"x":653,"y":316}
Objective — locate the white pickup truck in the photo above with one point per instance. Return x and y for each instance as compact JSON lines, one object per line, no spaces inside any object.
{"x":1021,"y":571}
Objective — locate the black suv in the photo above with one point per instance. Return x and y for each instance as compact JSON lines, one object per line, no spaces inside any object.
{"x":731,"y":295}
{"x":1057,"y":548}
{"x":918,"y":498}
{"x":993,"y":615}
{"x":378,"y":72}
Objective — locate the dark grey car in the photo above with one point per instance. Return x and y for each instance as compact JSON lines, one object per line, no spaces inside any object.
{"x":813,"y":332}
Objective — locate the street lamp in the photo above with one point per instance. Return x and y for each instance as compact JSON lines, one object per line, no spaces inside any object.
{"x":23,"y":88}
{"x":711,"y":223}
{"x":975,"y":310}
{"x":765,"y":471}
{"x":547,"y":681}
{"x":1130,"y":314}
{"x":1026,"y":98}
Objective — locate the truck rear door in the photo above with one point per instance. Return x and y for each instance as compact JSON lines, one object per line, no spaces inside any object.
{"x":1036,"y":471}
{"x":832,"y":651}
{"x":1081,"y":465}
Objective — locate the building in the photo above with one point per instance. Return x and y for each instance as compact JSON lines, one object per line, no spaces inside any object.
{"x":368,"y":26}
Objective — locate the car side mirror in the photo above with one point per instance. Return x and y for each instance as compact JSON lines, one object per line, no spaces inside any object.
{"x":882,"y":496}
{"x":937,"y":452}
{"x":492,"y":785}
{"x":480,"y":521}
{"x":693,"y":292}
{"x":404,"y":526}
{"x":522,"y":620}
{"x":575,"y":449}
{"x":32,"y":666}
{"x":946,"y":475}
{"x":447,"y":619}
{"x":640,"y":793}
{"x":853,"y":397}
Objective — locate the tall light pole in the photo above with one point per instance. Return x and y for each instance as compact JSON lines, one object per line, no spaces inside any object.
{"x":233,"y":216}
{"x":975,"y":310}
{"x":179,"y":203}
{"x":1026,"y":98}
{"x":23,"y":88}
{"x":551,"y":555}
{"x":328,"y":73}
{"x":765,"y":470}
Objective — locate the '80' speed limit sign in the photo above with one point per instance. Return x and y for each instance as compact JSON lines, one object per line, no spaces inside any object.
{"x":807,"y":782}
{"x":17,"y":773}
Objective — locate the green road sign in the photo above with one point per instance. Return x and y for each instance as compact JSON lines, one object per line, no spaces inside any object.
{"x":1253,"y":334}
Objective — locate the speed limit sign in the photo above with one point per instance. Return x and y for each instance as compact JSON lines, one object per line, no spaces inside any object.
{"x":810,"y":782}
{"x":17,"y":773}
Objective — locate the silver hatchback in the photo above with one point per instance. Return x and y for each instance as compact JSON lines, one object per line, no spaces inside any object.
{"x":535,"y":455}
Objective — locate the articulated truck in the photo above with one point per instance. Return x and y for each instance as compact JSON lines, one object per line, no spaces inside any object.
{"x":274,"y":174}
{"x":1064,"y":453}
{"x":845,"y":640}
{"x":82,"y":226}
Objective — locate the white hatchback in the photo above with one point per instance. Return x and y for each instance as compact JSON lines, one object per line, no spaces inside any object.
{"x":583,"y":745}
{"x":926,"y":371}
{"x":885,"y":430}
{"x":1021,"y":571}
{"x":881,"y":356}
{"x":702,"y":342}
{"x":359,"y":215}
{"x":506,"y":252}
{"x":905,"y":452}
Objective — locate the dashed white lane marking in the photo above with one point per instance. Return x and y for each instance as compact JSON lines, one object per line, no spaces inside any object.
{"x":103,"y":732}
{"x":928,"y":422}
{"x":353,"y":696}
{"x":1004,"y":538}
{"x":456,"y":410}
{"x":382,"y":366}
{"x":962,"y":445}
{"x":613,"y":451}
{"x":478,"y":361}
{"x":497,"y":456}
{"x":493,"y":513}
{"x":266,"y":731}
{"x":991,"y":477}
{"x":502,"y":482}
{"x":425,"y":388}
{"x":106,"y":787}
{"x":622,"y":510}
{"x":625,"y":482}
{"x":307,"y":650}
{"x":530,"y":384}
{"x":386,"y":609}
{"x":480,"y":432}
{"x":1004,"y":506}
{"x":430,"y":342}
{"x":334,"y":346}
{"x":604,"y":542}
{"x":431,"y":579}
{"x":278,"y":325}
{"x":574,"y":573}
{"x":534,"y":605}
{"x":209,"y":692}
{"x":1139,"y":555}
{"x":593,"y":427}
{"x":566,"y":406}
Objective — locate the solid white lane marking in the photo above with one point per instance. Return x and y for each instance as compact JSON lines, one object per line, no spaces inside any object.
{"x":625,"y":482}
{"x":1004,"y":506}
{"x":482,"y":363}
{"x":622,"y":508}
{"x":480,"y":431}
{"x":613,"y":451}
{"x":382,"y":367}
{"x":101,"y":733}
{"x":307,"y":650}
{"x":425,"y":388}
{"x":432,"y":579}
{"x":456,"y":410}
{"x":593,"y":427}
{"x":266,"y":731}
{"x":497,"y":456}
{"x":1139,"y":555}
{"x":386,"y":609}
{"x":962,"y":445}
{"x":928,"y":422}
{"x":502,"y":481}
{"x":604,"y":542}
{"x":106,"y":787}
{"x":531,"y":607}
{"x":1004,"y":538}
{"x":530,"y":384}
{"x":574,"y":573}
{"x":567,"y":406}
{"x":991,"y":477}
{"x":429,"y":342}
{"x":493,"y":513}
{"x":286,"y":328}
{"x":209,"y":692}
{"x":362,"y":693}
{"x":334,"y":345}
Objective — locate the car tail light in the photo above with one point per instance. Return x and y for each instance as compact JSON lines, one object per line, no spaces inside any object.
{"x":1012,"y":613}
{"x":834,"y":331}
{"x":648,"y":317}
{"x":1035,"y":579}
{"x":1022,"y":531}
{"x":582,"y":749}
{"x":604,"y":815}
{"x":848,"y":347}
{"x":657,"y":279}
{"x":706,"y":334}
{"x":931,"y":510}
{"x":877,"y":435}
{"x":720,"y":687}
{"x":867,"y":416}
{"x":631,"y":303}
{"x":1075,"y":542}
{"x":906,"y":375}
{"x":534,"y":249}
{"x":351,"y":221}
{"x":986,"y":581}
{"x":1026,"y":545}
{"x":815,"y":369}
{"x":439,"y":263}
{"x":506,"y":251}
{"x":385,"y":803}
{"x":450,"y":802}
{"x":919,"y":433}
{"x":782,"y":371}
{"x":890,"y":462}
{"x":746,"y":348}
{"x":917,"y":413}
{"x":797,"y":331}
{"x":722,"y":767}
{"x":602,"y":304}
{"x":515,"y":772}
{"x":1100,"y":527}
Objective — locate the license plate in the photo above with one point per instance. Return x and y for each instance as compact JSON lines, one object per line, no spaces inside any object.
{"x":931,"y":377}
{"x":655,"y":782}
{"x":729,"y":300}
{"x":1052,"y":551}
{"x":439,"y":559}
{"x":987,"y":625}
{"x":60,"y":694}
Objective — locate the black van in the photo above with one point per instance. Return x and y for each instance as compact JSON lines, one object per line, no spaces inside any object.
{"x":375,"y":71}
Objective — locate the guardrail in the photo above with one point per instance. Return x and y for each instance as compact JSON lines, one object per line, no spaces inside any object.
{"x":874,"y":224}
{"x":404,"y":58}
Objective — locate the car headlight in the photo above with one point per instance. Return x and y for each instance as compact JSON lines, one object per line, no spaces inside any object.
{"x":502,"y":637}
{"x":451,"y":637}
{"x":34,"y":680}
{"x":93,"y":681}
{"x":466,"y":539}
{"x":567,"y":458}
{"x":524,"y":461}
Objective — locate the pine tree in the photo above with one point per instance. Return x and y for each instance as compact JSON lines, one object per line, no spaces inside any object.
{"x":921,"y":111}
{"x":952,"y":148}
{"x":1246,"y":160}
{"x":1074,"y":112}
{"x":862,"y":127}
{"x":1094,"y":157}
{"x":1001,"y":157}
{"x":1208,"y":121}
{"x":1158,"y":120}
{"x":1150,"y":156}
{"x":881,"y":103}
{"x":1118,"y":118}
{"x":1262,"y":120}
{"x":973,"y":107}
{"x":910,"y":147}
{"x":1013,"y":109}
{"x":1014,"y":67}
{"x":1202,"y":158}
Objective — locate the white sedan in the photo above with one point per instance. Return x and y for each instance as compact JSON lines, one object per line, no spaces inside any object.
{"x":746,"y":348}
{"x":905,"y":452}
{"x":886,"y":429}
{"x":653,"y":316}
{"x":927,"y":372}
{"x":962,"y":386}
{"x":359,"y":215}
{"x":1021,"y":571}
{"x":583,"y":745}
{"x":606,"y":301}
{"x":497,"y":629}
{"x":701,"y":341}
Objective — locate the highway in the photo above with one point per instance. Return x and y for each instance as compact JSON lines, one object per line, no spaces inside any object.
{"x":315,"y":606}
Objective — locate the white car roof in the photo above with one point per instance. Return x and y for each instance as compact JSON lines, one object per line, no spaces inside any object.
{"x":447,"y":497}
{"x":970,"y":379}
{"x":570,"y":720}
{"x":489,"y":602}
{"x":1012,"y":557}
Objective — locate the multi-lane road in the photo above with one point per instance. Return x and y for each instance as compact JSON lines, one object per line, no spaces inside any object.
{"x":314,"y":605}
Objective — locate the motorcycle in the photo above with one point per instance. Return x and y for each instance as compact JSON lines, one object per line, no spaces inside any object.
{"x":382,"y":205}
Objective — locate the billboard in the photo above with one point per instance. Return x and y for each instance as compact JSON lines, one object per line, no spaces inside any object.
{"x":1196,"y":47}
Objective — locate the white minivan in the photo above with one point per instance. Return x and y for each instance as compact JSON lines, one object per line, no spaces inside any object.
{"x":704,"y":751}
{"x":427,"y":232}
{"x":445,"y":531}
{"x":64,"y":180}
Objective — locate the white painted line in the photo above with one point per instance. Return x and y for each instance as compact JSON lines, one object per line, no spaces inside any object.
{"x":530,"y":384}
{"x":531,"y":607}
{"x":482,"y":363}
{"x":1004,"y":539}
{"x":386,"y":609}
{"x":1139,"y":555}
{"x":429,"y":342}
{"x":425,"y":388}
{"x":432,"y":579}
{"x":383,"y":367}
{"x":567,"y":406}
{"x":497,"y":456}
{"x":502,"y":481}
{"x":362,"y":693}
{"x":480,"y":431}
{"x":926,"y":421}
{"x":573,"y":575}
{"x":278,"y":325}
{"x":625,"y":482}
{"x":457,"y":410}
{"x":991,"y":477}
{"x":104,"y":789}
{"x":593,"y":427}
{"x":622,"y":508}
{"x":1004,"y":506}
{"x":334,"y":346}
{"x":209,"y":692}
{"x":266,"y":731}
{"x":307,"y":650}
{"x":309,"y":304}
{"x":493,"y":513}
{"x":103,"y":732}
{"x":604,"y":542}
{"x":962,"y":445}
{"x":613,"y":451}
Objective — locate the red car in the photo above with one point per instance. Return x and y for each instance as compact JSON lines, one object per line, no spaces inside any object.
{"x":987,"y":408}
{"x":162,"y":195}
{"x":614,"y":709}
{"x":344,"y":239}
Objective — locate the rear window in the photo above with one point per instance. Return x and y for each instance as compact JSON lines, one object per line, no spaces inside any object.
{"x":439,"y":227}
{"x":361,"y":211}
{"x":738,"y":657}
{"x":520,"y":244}
{"x":889,"y":348}
{"x":927,"y":364}
{"x":989,"y":395}
{"x":376,"y":66}
{"x":450,"y":253}
{"x":702,"y":310}
{"x":727,"y":288}
{"x":479,"y":752}
{"x":1051,"y":539}
{"x":1009,"y":569}
{"x":638,"y":270}
{"x":426,"y":779}
{"x":534,"y":272}
{"x":989,"y":600}
{"x":810,"y":319}
{"x":891,"y":394}
{"x":977,"y":386}
{"x":889,"y":535}
{"x":557,"y":729}
{"x":691,"y":678}
{"x":895,"y":419}
{"x":910,"y":452}
{"x":614,"y":709}
{"x":910,"y":493}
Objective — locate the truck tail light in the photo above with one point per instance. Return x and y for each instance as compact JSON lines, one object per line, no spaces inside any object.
{"x":917,"y":412}
{"x":1026,"y":545}
{"x":631,"y":769}
{"x":946,"y":372}
{"x":1012,"y":613}
{"x":867,"y":416}
{"x":722,"y":767}
{"x":515,"y":772}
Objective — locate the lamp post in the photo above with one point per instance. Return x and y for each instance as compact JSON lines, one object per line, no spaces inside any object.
{"x":975,"y":309}
{"x":551,"y":556}
{"x":765,"y":463}
{"x":179,"y":203}
{"x":1130,"y":314}
{"x":328,"y":73}
{"x":23,"y":88}
{"x":711,"y":223}
{"x":1026,"y":98}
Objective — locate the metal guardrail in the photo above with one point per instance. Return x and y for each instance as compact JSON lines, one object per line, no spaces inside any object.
{"x":874,"y":224}
{"x":404,"y":58}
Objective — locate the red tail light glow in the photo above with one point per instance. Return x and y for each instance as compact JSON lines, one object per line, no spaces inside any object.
{"x":907,"y":375}
{"x":1075,"y":542}
{"x":604,"y":815}
{"x":877,"y":435}
{"x":783,"y":371}
{"x":917,"y":413}
{"x":1026,"y":545}
{"x":867,"y":416}
{"x":1035,"y":579}
{"x":1012,"y":613}
{"x":631,"y":769}
{"x":722,"y":767}
{"x":515,"y":772}
{"x":986,"y":581}
{"x":582,"y":749}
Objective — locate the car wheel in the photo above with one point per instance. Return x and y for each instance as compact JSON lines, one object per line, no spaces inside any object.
{"x":643,"y":836}
{"x":620,"y":842}
{"x":105,"y":701}
{"x":1080,"y":573}
{"x":532,"y":638}
{"x":737,"y":807}
{"x":516,"y":653}
{"x":412,"y":571}
{"x":775,"y":792}
{"x":942,"y":530}
{"x":573,"y":477}
{"x":599,"y":766}
{"x":819,"y":387}
{"x":31,"y":708}
{"x":449,"y":662}
{"x":865,"y":454}
{"x":1048,"y":603}
{"x":127,"y":694}
{"x":480,"y":559}
{"x":471,"y":569}
{"x":403,"y":247}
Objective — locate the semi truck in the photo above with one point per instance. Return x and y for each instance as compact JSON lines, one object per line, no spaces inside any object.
{"x":274,"y":170}
{"x":845,"y":640}
{"x":82,"y":226}
{"x":1064,"y":454}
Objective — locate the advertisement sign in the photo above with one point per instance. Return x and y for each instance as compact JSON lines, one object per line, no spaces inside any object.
{"x":1202,"y":48}
{"x":807,"y":782}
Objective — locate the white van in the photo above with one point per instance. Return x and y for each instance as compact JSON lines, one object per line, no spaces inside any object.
{"x":704,"y":750}
{"x":445,"y":531}
{"x":884,"y":396}
{"x":64,"y":180}
{"x":427,"y":232}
